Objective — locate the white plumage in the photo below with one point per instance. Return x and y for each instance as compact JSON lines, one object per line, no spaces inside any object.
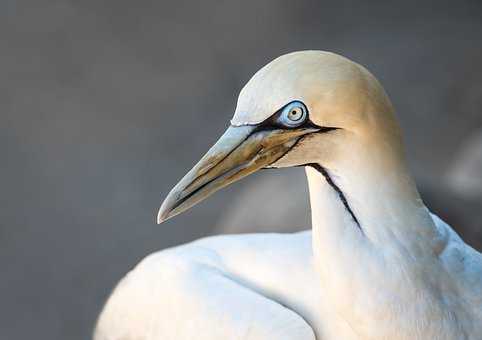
{"x":376,"y":265}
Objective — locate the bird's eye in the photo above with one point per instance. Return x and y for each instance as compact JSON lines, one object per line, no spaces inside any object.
{"x":294,"y":114}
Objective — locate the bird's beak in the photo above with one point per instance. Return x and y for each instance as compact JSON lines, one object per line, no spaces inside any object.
{"x":239,"y":152}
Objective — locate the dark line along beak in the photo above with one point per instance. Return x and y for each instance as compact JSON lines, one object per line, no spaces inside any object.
{"x":241,"y":151}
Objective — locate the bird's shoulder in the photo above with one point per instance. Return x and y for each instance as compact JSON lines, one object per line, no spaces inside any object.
{"x":462,"y":262}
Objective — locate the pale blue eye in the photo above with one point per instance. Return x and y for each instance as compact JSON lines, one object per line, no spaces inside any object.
{"x":294,"y":114}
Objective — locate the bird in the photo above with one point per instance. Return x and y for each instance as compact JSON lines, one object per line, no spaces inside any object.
{"x":376,"y":263}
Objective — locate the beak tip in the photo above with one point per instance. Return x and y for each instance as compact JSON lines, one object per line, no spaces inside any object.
{"x":164,"y":212}
{"x":163,"y":215}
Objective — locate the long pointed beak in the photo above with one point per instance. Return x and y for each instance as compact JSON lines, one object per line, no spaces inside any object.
{"x":241,"y":151}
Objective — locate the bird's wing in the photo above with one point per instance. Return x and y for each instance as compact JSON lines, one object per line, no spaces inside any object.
{"x":197,"y":291}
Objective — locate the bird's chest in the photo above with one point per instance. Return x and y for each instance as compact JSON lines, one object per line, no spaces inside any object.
{"x":399,"y":302}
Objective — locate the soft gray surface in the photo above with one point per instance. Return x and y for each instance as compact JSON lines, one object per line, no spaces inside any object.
{"x":465,"y":176}
{"x":105,"y":104}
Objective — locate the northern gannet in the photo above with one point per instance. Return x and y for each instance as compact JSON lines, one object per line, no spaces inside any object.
{"x":376,"y":265}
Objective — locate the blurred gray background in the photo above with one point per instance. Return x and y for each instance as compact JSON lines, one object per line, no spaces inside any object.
{"x":105,"y":104}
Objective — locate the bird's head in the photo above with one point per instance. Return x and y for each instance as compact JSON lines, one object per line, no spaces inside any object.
{"x":308,"y":107}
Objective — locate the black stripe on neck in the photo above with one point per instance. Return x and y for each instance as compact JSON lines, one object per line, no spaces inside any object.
{"x":342,"y":197}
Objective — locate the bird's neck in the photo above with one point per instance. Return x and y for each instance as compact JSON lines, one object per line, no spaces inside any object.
{"x":366,"y":196}
{"x":373,"y":267}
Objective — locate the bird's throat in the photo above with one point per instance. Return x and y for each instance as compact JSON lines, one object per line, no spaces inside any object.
{"x":335,"y":187}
